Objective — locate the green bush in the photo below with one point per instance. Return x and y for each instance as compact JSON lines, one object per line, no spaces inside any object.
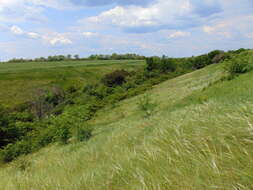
{"x":219,"y":58}
{"x":115,"y":78}
{"x":43,"y":136}
{"x":152,"y":63}
{"x":72,"y":89}
{"x":11,"y":151}
{"x":238,"y":65}
{"x":83,"y":133}
{"x":63,"y":134}
{"x":147,"y":106}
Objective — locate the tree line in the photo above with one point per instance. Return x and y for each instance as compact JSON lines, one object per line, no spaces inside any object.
{"x":70,"y":57}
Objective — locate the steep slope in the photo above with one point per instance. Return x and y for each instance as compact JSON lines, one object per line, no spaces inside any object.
{"x":200,"y":136}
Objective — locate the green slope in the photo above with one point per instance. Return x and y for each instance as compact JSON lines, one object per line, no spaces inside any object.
{"x":199,"y":137}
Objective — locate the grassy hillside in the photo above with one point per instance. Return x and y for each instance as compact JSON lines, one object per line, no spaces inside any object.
{"x":198,"y":136}
{"x":19,"y":80}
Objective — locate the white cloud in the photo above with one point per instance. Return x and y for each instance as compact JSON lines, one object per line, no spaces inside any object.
{"x":16,"y":30}
{"x":51,"y":38}
{"x":89,"y":34}
{"x":238,"y":25}
{"x":178,"y":34}
{"x":57,"y":39}
{"x":250,"y":35}
{"x":209,"y":29}
{"x":33,"y":35}
{"x":219,"y":29}
{"x":20,"y":32}
{"x":13,"y":11}
{"x":161,"y":14}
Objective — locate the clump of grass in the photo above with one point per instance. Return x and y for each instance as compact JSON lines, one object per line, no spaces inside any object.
{"x":147,"y":106}
{"x":22,"y":164}
{"x":83,"y":133}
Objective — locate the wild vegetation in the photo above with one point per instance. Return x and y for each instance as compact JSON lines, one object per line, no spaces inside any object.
{"x":190,"y":132}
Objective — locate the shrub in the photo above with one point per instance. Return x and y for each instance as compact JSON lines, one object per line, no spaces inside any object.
{"x":83,"y":133}
{"x":238,"y":65}
{"x":43,"y":136}
{"x":72,"y":89}
{"x":11,"y":151}
{"x":115,"y":78}
{"x":147,"y":106}
{"x":44,"y":101}
{"x":55,"y":96}
{"x":167,"y":65}
{"x":63,"y":134}
{"x":200,"y":62}
{"x":152,"y":63}
{"x":239,"y":51}
{"x":219,"y":57}
{"x":214,"y":53}
{"x":160,"y":64}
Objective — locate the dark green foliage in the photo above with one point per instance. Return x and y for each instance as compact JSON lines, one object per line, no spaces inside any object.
{"x":238,"y":65}
{"x":183,"y":65}
{"x":72,"y":89}
{"x":55,"y":96}
{"x":54,"y":129}
{"x":97,"y":90}
{"x":63,"y":134}
{"x":200,"y":62}
{"x":152,"y":63}
{"x":160,"y":64}
{"x":238,"y":51}
{"x":115,"y":78}
{"x":76,"y":57}
{"x":213,"y":57}
{"x":13,"y":126}
{"x":214,"y":53}
{"x":167,"y":65}
{"x":11,"y":151}
{"x":115,"y":56}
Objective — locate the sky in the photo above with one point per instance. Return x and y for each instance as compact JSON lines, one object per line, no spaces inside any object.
{"x":35,"y":28}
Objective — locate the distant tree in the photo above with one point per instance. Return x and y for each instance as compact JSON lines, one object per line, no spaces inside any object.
{"x":69,"y":56}
{"x":76,"y":56}
{"x":167,"y":65}
{"x":153,"y":63}
{"x":114,"y":56}
{"x":219,"y":57}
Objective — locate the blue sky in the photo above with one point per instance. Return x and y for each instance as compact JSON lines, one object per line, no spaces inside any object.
{"x":34,"y":28}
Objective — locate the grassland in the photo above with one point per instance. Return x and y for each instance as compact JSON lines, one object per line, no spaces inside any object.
{"x":199,"y":137}
{"x":19,"y":80}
